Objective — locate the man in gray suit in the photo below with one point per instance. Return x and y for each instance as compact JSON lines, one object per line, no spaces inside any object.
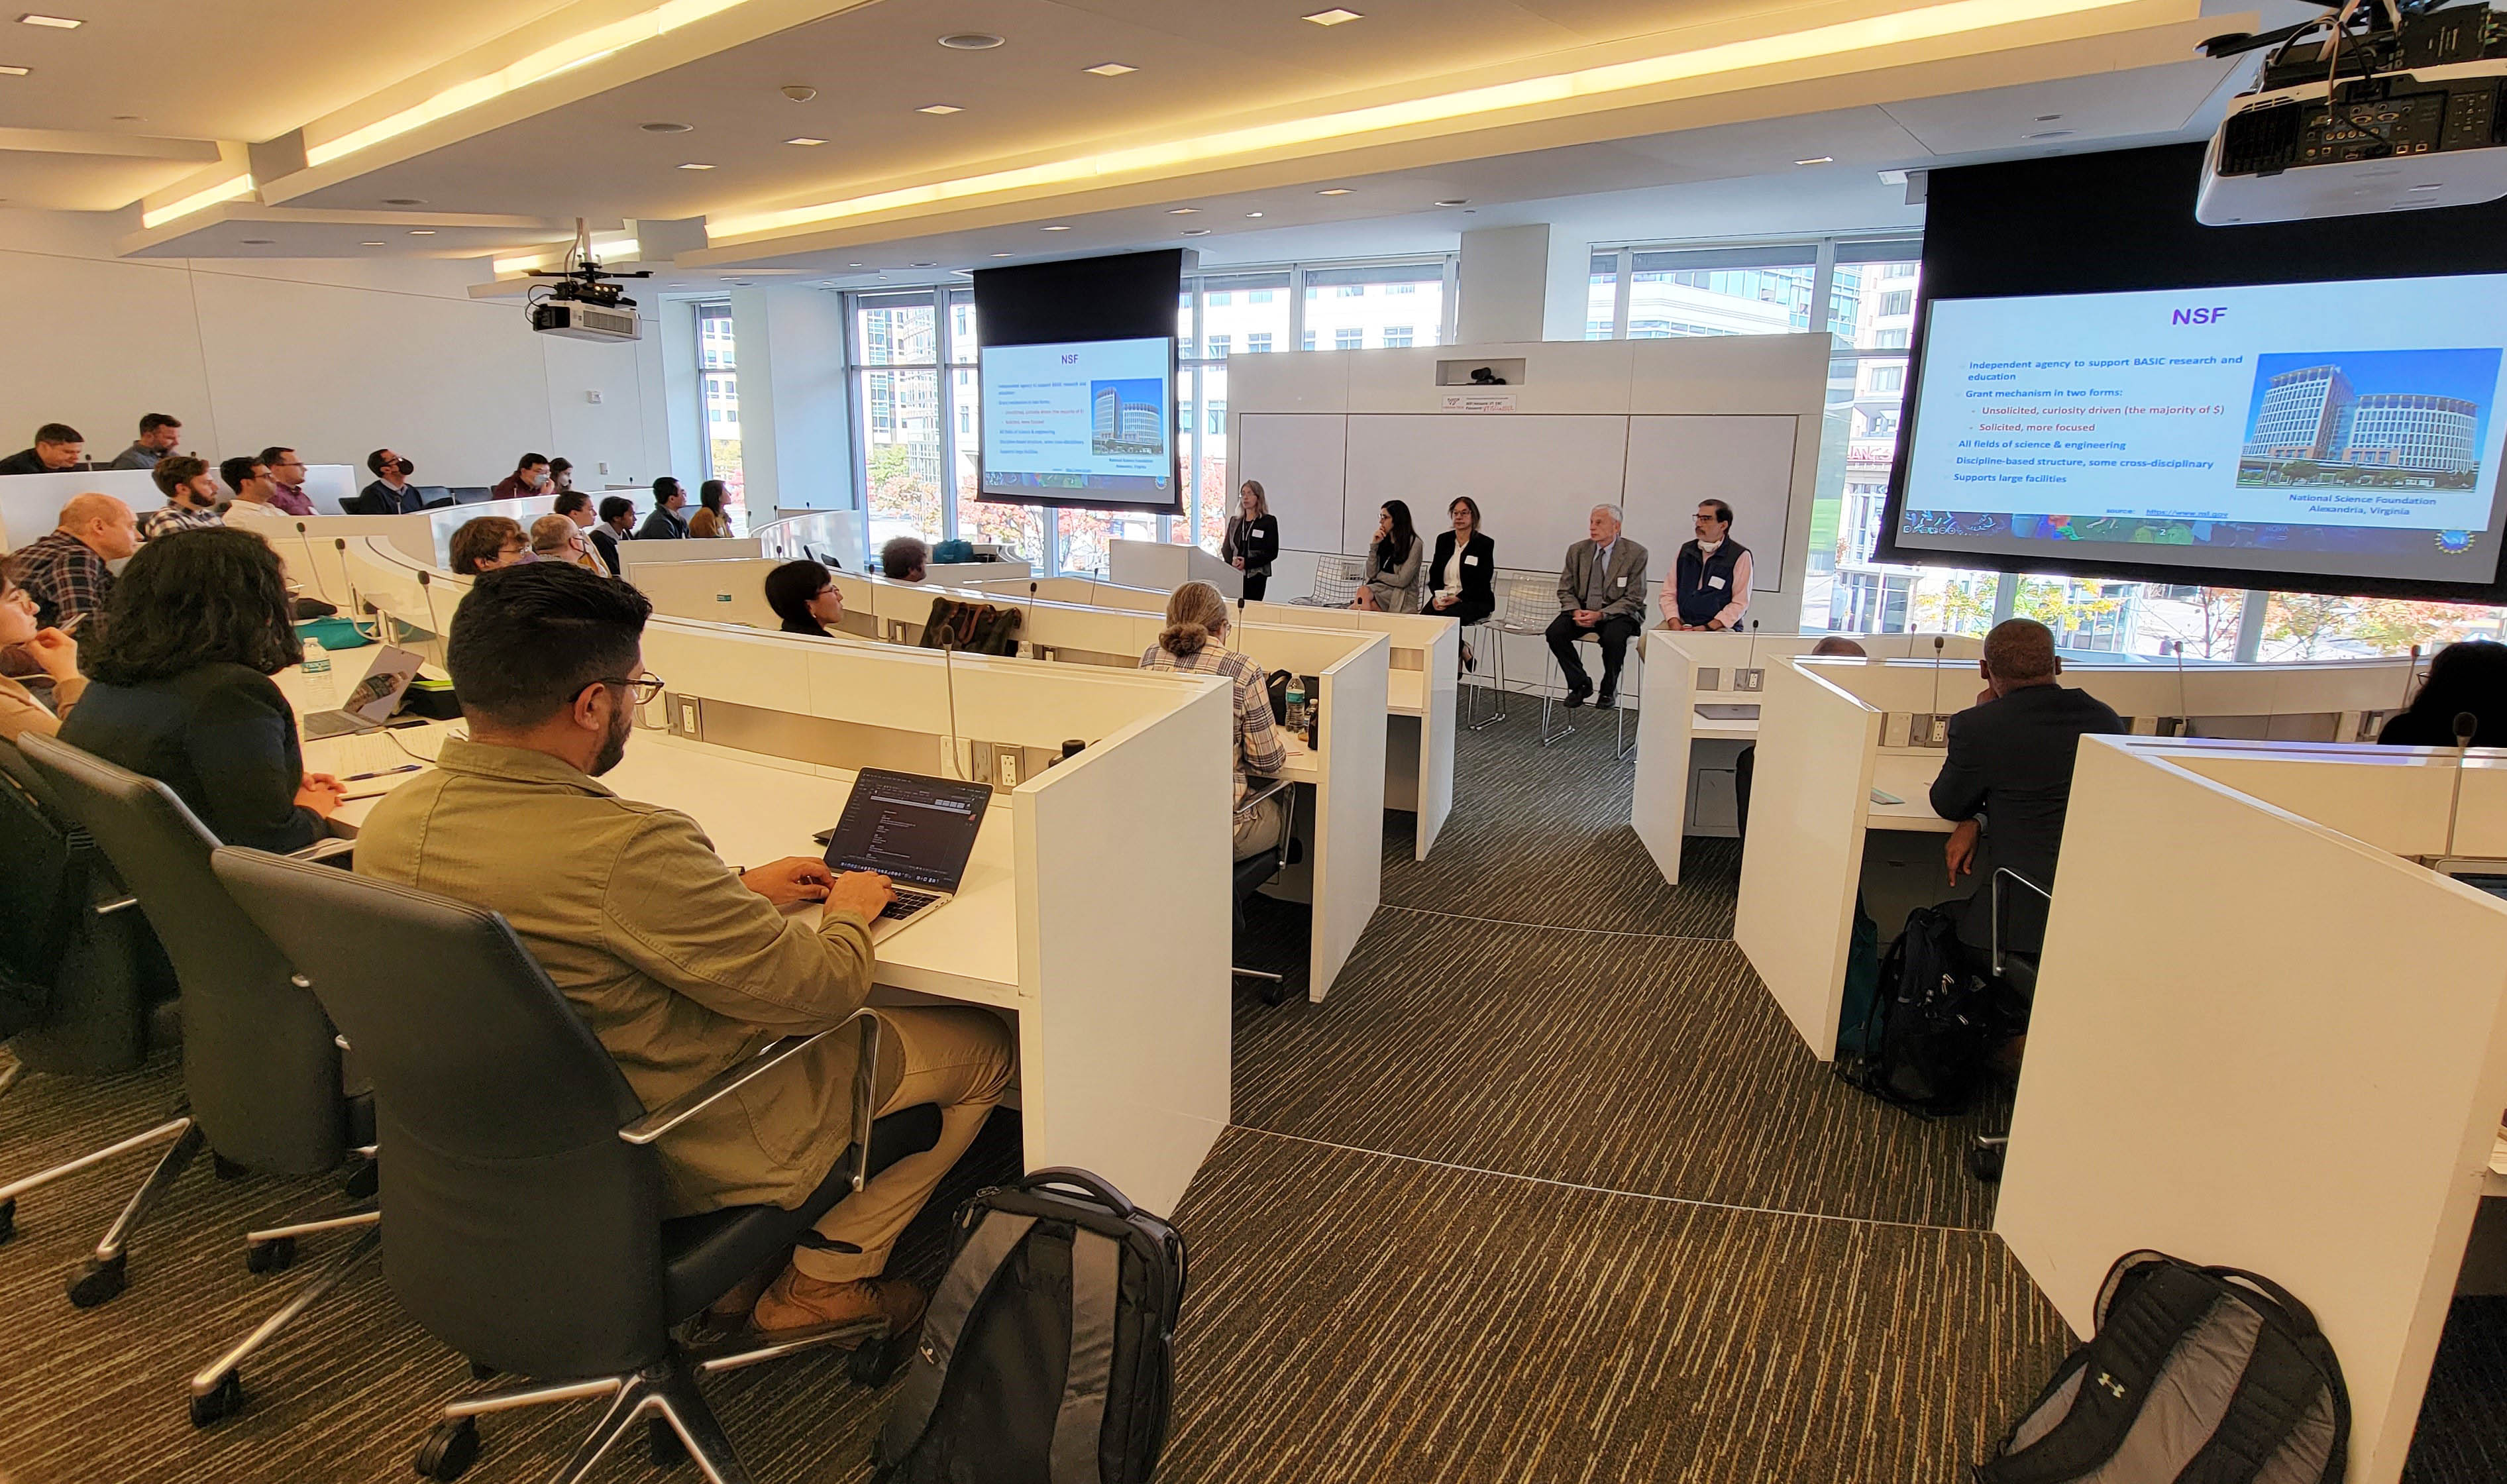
{"x":1601,"y":592}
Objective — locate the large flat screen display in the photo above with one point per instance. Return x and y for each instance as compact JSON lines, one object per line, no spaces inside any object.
{"x":1082,"y":421}
{"x":2332,"y":428}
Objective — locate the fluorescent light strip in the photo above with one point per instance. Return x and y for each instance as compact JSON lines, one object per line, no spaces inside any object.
{"x":559,"y":57}
{"x":198,"y":200}
{"x":627,"y":251}
{"x":1844,"y":38}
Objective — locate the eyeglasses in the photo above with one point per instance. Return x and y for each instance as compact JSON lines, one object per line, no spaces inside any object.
{"x":646,"y":687}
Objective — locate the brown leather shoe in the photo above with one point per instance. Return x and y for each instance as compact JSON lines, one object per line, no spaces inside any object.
{"x":798,"y":1301}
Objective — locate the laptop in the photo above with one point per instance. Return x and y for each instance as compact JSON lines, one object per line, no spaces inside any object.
{"x":376,"y":697}
{"x":917,"y":831}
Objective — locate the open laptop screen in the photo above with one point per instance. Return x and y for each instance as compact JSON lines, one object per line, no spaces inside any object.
{"x":918,"y":830}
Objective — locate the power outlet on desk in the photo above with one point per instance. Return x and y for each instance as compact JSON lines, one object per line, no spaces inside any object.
{"x":687,"y":716}
{"x":1749,"y":679}
{"x":896,"y":631}
{"x":1927,"y":728}
{"x":2371,"y":723}
{"x":1709,"y":678}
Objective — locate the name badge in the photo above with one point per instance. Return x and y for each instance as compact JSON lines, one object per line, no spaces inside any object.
{"x":1715,"y":582}
{"x":1623,"y":581}
{"x":1471,"y":562}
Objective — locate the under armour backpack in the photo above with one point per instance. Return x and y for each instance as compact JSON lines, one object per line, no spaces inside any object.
{"x":1047,"y":1352}
{"x":2195,"y":1376}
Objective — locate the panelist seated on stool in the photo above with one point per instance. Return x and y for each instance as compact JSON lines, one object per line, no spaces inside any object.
{"x":681,"y":967}
{"x":1708,"y":586}
{"x":2007,"y":777}
{"x":1601,"y":592}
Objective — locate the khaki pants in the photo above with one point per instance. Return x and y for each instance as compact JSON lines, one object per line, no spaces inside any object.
{"x":1257,"y":829}
{"x":959,"y":1059}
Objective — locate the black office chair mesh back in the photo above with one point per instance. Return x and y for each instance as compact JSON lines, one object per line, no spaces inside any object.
{"x":260,"y":1064}
{"x":107,"y":990}
{"x":518,"y":1227}
{"x":43,"y":877}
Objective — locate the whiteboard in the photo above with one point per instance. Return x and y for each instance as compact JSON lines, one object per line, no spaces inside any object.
{"x":1535,"y":477}
{"x":1745,"y":462}
{"x":1297,"y":456}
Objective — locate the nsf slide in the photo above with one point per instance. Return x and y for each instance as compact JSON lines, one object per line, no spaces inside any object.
{"x":1079,"y":422}
{"x":2345,"y":427}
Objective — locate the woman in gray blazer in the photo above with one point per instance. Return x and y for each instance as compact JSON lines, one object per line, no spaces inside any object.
{"x":1393,"y":564}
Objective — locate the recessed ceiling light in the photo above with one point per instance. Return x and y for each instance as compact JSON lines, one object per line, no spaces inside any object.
{"x":1183,"y":211}
{"x":1334,"y":190}
{"x":1109,"y":69}
{"x":1197,"y":232}
{"x":923,"y":265}
{"x":853,"y":264}
{"x":128,"y":117}
{"x":1818,"y":160}
{"x":1250,"y":215}
{"x":971,"y":41}
{"x":254,"y":241}
{"x":2048,"y":133}
{"x":404,"y":200}
{"x":56,"y":22}
{"x":665,"y":127}
{"x":798,"y":93}
{"x":422,"y":232}
{"x":805,"y":139}
{"x":1335,"y":17}
{"x":940,"y":108}
{"x":695,"y":164}
{"x":370,"y":245}
{"x":998,"y":255}
{"x":8,"y":71}
{"x":2048,"y":117}
{"x":1454,"y":201}
{"x":1063,"y":228}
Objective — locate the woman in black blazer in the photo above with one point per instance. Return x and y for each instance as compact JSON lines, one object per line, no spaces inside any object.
{"x":181,"y":690}
{"x":1461,"y":589}
{"x":1253,"y":541}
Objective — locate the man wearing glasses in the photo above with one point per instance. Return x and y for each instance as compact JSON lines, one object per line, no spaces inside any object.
{"x":287,"y":474}
{"x":681,"y":965}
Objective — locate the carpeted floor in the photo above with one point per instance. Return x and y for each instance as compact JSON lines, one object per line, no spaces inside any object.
{"x":1517,"y":1203}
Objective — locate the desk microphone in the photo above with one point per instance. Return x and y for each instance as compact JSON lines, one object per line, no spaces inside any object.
{"x":949,"y":672}
{"x":356,"y":605}
{"x":306,"y":539}
{"x":2466,"y":727}
{"x":435,"y":624}
{"x":2184,"y":708}
{"x":1938,"y":641}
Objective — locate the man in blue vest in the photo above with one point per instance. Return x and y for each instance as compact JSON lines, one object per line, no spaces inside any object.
{"x":1709,"y":586}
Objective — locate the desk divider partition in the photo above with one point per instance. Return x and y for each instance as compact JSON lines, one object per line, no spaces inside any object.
{"x":1658,"y":799}
{"x":2260,"y":1041}
{"x":816,"y":534}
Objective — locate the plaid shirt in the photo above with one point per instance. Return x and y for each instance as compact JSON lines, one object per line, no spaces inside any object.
{"x":1259,"y":747}
{"x":64,"y":578}
{"x":166,"y":520}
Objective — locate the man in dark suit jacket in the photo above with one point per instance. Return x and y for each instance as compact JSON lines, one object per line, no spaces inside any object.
{"x":1601,"y":592}
{"x":2007,"y":776}
{"x":665,"y":524}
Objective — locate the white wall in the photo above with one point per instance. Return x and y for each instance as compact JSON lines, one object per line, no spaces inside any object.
{"x":796,"y":441}
{"x":333,"y":358}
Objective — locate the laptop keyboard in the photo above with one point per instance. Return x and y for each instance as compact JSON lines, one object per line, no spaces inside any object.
{"x":907,"y":904}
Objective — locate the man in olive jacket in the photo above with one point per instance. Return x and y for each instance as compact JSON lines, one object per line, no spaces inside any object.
{"x":681,"y":967}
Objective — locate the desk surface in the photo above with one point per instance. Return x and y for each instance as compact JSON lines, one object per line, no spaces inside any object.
{"x":1910,"y":775}
{"x":758,"y":809}
{"x":1405,"y":692}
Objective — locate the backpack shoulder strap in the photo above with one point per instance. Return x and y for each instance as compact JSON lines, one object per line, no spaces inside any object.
{"x":1096,"y":1288}
{"x":2128,"y":1352}
{"x":2273,"y":1397}
{"x":944,"y":1323}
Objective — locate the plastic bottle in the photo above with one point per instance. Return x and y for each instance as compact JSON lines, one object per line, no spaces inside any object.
{"x":1296,"y":718}
{"x":321,"y":688}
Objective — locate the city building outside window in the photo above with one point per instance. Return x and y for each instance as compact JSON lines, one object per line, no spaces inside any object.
{"x":718,"y":372}
{"x":1348,"y":338}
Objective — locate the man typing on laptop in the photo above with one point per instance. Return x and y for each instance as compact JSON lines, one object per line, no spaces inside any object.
{"x":680,"y":967}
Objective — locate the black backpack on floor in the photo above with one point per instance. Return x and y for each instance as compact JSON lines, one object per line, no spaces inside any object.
{"x":1047,"y":1353}
{"x":1933,"y":1020}
{"x":2196,"y":1375}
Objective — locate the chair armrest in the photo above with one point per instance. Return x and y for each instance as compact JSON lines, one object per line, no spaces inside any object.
{"x":328,"y":849}
{"x":696,"y":1100}
{"x":1269,"y":790}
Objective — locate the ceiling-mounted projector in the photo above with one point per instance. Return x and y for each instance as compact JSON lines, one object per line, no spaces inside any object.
{"x":585,"y":301}
{"x":2397,"y":106}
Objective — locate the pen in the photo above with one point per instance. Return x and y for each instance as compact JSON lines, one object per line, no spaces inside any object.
{"x":382,"y":773}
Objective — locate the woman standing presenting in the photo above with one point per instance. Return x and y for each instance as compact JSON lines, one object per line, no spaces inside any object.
{"x":1391,"y":583}
{"x":1459,"y":583}
{"x":1253,"y":541}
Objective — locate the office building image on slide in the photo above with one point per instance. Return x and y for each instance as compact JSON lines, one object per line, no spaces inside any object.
{"x":1126,"y":418}
{"x":2385,"y":417}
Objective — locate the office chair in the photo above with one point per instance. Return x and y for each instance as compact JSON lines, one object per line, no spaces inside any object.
{"x":520,"y":1182}
{"x":2018,"y":972}
{"x":1619,"y":703}
{"x":1255,"y":872}
{"x":261,"y":1065}
{"x":1337,"y":582}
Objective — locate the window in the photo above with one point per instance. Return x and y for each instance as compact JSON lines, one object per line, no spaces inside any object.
{"x":1401,"y":288}
{"x":717,"y":360}
{"x":1306,"y":342}
{"x":1889,"y":339}
{"x":1352,"y":291}
{"x":1218,"y":419}
{"x":1220,"y":299}
{"x":1397,"y":334}
{"x":900,"y":396}
{"x":1880,"y":378}
{"x":1602,"y":296}
{"x":1348,"y":338}
{"x":1258,"y":296}
{"x":1898,"y":301}
{"x":1258,"y":343}
{"x":1219,"y":345}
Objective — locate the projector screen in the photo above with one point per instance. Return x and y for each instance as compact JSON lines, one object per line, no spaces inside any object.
{"x":1085,"y":421}
{"x":2101,"y":386}
{"x":2332,"y":428}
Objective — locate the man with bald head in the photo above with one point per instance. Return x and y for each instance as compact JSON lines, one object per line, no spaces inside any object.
{"x":2007,"y":778}
{"x":64,"y":572}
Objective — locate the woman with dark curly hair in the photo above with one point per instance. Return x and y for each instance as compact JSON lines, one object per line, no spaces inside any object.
{"x":180,"y":690}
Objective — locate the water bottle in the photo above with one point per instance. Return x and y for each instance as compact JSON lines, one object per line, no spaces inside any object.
{"x":321,"y":689}
{"x":1296,"y":718}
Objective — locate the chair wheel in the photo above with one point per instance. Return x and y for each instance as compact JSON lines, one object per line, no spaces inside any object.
{"x":8,"y":1218}
{"x":452,"y":1446}
{"x":1275,"y":994}
{"x":479,"y":1372}
{"x":272,"y":1256}
{"x":221,"y":1403}
{"x":875,"y":1363}
{"x":1984,"y":1162}
{"x":226,"y":1169}
{"x":363,"y":1182}
{"x":663,"y":1444}
{"x":96,"y":1282}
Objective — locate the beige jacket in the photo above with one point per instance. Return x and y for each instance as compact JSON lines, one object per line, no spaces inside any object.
{"x":20,"y":712}
{"x":676,"y":966}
